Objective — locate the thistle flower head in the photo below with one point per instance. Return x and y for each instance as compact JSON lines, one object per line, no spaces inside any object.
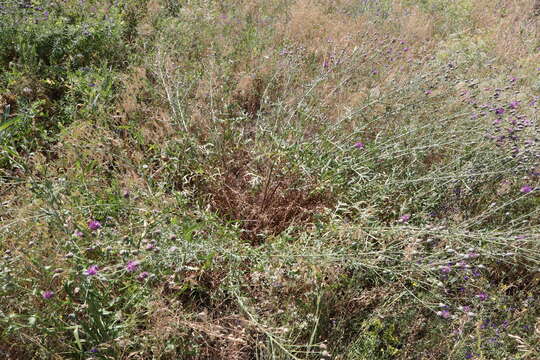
{"x":132,"y":265}
{"x":92,"y":270}
{"x":94,"y":225}
{"x":405,"y":218}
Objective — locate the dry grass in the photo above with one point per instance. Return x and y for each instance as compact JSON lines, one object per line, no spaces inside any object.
{"x":263,"y":196}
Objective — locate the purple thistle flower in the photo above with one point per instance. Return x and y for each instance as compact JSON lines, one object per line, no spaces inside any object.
{"x":359,"y":145}
{"x":132,"y":265}
{"x":405,"y":218}
{"x":48,"y":294}
{"x":499,"y":111}
{"x":514,"y":104}
{"x":445,"y":269}
{"x":143,"y":275}
{"x":92,"y":270}
{"x":482,"y":296}
{"x":94,"y":225}
{"x":526,"y":189}
{"x":445,"y":314}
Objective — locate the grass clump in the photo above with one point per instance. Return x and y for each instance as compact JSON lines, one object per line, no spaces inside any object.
{"x":301,"y":180}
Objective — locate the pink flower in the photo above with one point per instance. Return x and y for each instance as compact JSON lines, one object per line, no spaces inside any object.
{"x":47,"y":294}
{"x":482,"y":296}
{"x":359,"y":145}
{"x":143,"y":275}
{"x":94,"y":225}
{"x":445,"y":314}
{"x":132,"y":265}
{"x":92,"y":270}
{"x":78,"y":233}
{"x":405,"y":218}
{"x":446,"y":269}
{"x":526,"y":189}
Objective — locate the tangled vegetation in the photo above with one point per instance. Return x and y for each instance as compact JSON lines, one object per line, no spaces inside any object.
{"x":269,"y":179}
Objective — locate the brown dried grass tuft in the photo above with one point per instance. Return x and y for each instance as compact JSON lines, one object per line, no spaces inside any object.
{"x":310,"y":25}
{"x":7,"y":100}
{"x":217,"y":337}
{"x":229,"y":337}
{"x":248,"y":94}
{"x":510,"y":27}
{"x":265,"y":201}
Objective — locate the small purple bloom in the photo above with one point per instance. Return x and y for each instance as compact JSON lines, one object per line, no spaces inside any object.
{"x":514,"y":104}
{"x":445,"y":269}
{"x":48,"y":294}
{"x":92,"y":270}
{"x":499,"y":111}
{"x":445,"y":314}
{"x":526,"y":189}
{"x":94,"y":225}
{"x":359,"y":145}
{"x":150,"y":246}
{"x":482,"y":296}
{"x":143,"y":275}
{"x":78,"y":233}
{"x":405,"y":218}
{"x":132,"y":265}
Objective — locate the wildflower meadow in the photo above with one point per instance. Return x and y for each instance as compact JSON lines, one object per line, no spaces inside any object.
{"x":270,"y":179}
